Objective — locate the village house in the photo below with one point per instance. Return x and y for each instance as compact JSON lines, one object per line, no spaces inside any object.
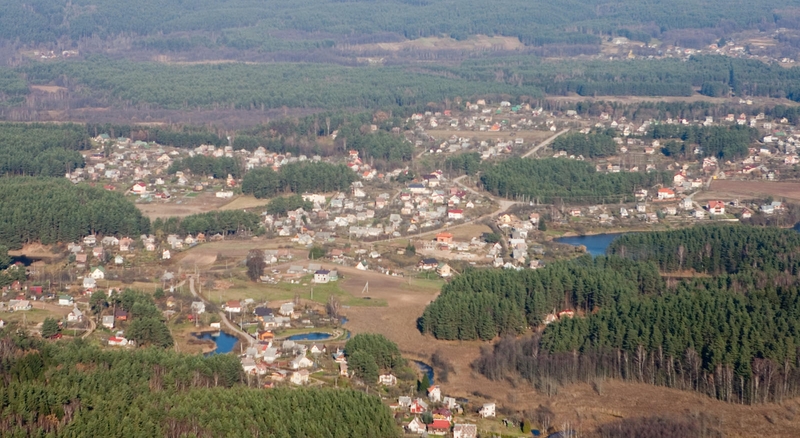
{"x":108,"y":321}
{"x":75,"y":316}
{"x":465,"y":431}
{"x":435,"y":393}
{"x":98,"y":273}
{"x":233,"y":306}
{"x":487,"y":410}
{"x":716,"y":207}
{"x":666,"y":194}
{"x":299,"y":377}
{"x":418,"y":406}
{"x":387,"y":380}
{"x":300,"y":361}
{"x":416,"y":426}
{"x":65,"y":300}
{"x":321,"y":276}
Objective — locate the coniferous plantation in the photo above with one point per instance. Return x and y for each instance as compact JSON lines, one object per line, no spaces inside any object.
{"x":590,"y":146}
{"x":41,"y":149}
{"x":78,"y":389}
{"x":201,"y":165}
{"x":297,"y":178}
{"x":556,"y":179}
{"x":733,"y":336}
{"x":51,"y":210}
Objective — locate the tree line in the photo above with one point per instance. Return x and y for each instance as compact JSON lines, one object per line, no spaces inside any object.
{"x":298,"y":177}
{"x":558,"y":179}
{"x":62,"y":389}
{"x":224,"y":222}
{"x":728,"y":142}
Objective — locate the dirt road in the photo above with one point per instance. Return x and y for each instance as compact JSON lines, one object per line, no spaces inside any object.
{"x":544,"y":143}
{"x":232,"y":327}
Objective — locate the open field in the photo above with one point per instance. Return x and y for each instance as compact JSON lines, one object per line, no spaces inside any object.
{"x":727,"y":190}
{"x":529,"y":136}
{"x":473,"y":43}
{"x":182,"y":206}
{"x":243,"y":202}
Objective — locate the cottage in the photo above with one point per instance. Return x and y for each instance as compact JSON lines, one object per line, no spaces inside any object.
{"x":75,"y":316}
{"x":416,"y":426}
{"x":65,"y":300}
{"x":455,"y":214}
{"x":120,"y":315}
{"x":300,"y":362}
{"x":487,"y":410}
{"x":322,"y":276}
{"x":435,"y":394}
{"x":233,"y":306}
{"x":286,"y":309}
{"x":444,"y":237}
{"x":716,"y":207}
{"x":117,"y":341}
{"x":465,"y":431}
{"x":418,"y":406}
{"x":90,"y":240}
{"x":108,"y":321}
{"x":387,"y":380}
{"x":17,"y":305}
{"x":444,"y":270}
{"x":439,"y":427}
{"x":428,"y":264}
{"x":299,"y":377}
{"x":89,"y":283}
{"x":98,"y":273}
{"x":666,"y":194}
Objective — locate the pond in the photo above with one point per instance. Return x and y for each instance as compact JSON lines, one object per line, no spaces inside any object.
{"x":425,"y":368}
{"x":224,"y":341}
{"x":316,"y":336}
{"x":595,"y":245}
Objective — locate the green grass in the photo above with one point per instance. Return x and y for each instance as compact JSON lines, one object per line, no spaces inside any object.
{"x":191,"y":195}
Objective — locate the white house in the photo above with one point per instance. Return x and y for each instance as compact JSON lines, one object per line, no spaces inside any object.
{"x":455,"y":214}
{"x":286,"y":309}
{"x":98,"y":273}
{"x":416,"y":426}
{"x":387,"y":380}
{"x":233,"y":306}
{"x":666,"y":194}
{"x":108,"y":321}
{"x":322,"y":276}
{"x":89,"y":283}
{"x":165,"y":255}
{"x":300,"y":362}
{"x":65,"y":300}
{"x":435,"y":394}
{"x":117,"y":341}
{"x":299,"y":377}
{"x":488,"y":410}
{"x":139,"y":188}
{"x":75,"y":316}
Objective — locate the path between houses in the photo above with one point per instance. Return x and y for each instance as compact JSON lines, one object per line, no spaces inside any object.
{"x":232,"y":327}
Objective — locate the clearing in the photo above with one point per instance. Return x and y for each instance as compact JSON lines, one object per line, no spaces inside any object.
{"x":729,"y":190}
{"x":182,"y":205}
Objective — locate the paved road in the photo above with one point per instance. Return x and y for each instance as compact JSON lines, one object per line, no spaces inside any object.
{"x":545,"y":143}
{"x":232,"y":327}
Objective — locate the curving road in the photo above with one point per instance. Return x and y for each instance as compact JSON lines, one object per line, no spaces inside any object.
{"x":232,"y":327}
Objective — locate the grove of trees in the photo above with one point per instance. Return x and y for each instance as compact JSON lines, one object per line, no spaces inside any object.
{"x":51,"y":210}
{"x":201,"y":165}
{"x":590,"y":146}
{"x":298,"y":178}
{"x":223,"y":222}
{"x":556,"y":179}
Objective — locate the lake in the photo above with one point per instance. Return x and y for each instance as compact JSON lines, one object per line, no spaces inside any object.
{"x":316,"y":336}
{"x":224,"y":341}
{"x":595,"y":245}
{"x":425,"y":368}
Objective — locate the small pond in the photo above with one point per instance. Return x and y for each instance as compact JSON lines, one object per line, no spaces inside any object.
{"x":316,"y":336}
{"x":224,"y":341}
{"x":425,"y":368}
{"x":595,"y":245}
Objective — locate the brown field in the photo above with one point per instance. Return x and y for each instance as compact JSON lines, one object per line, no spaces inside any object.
{"x":48,"y":88}
{"x":243,"y":202}
{"x":478,"y":42}
{"x":729,"y":190}
{"x":204,"y":202}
